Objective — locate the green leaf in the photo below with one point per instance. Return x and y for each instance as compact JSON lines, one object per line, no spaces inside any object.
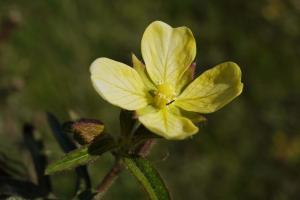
{"x":67,"y":145}
{"x":73,"y":159}
{"x":147,"y":175}
{"x":83,"y":155}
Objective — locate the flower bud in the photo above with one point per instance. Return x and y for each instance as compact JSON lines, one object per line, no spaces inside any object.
{"x":86,"y":130}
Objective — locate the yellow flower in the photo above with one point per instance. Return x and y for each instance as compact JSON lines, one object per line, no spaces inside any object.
{"x":167,"y":101}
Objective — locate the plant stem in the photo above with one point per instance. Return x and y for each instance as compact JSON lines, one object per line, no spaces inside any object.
{"x":114,"y":172}
{"x":145,"y":149}
{"x":108,"y":180}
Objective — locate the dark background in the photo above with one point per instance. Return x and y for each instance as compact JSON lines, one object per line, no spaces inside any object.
{"x":248,"y":150}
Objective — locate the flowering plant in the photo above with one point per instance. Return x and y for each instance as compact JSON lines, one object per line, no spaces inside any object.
{"x":159,"y":98}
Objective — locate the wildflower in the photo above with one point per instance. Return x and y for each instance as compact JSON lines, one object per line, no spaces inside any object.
{"x":166,"y":99}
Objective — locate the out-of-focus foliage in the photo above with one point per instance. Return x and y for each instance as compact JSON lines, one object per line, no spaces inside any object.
{"x":248,"y":150}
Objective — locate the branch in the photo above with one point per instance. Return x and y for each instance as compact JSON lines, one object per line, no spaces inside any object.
{"x":108,"y":180}
{"x":114,"y":172}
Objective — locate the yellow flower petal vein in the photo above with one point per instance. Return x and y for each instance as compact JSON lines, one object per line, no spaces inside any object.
{"x":212,"y":90}
{"x":169,"y":125}
{"x":119,"y":84}
{"x":167,"y":52}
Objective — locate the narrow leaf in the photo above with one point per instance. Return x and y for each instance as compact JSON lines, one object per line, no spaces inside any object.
{"x":67,"y":145}
{"x":73,"y":159}
{"x":40,"y":161}
{"x":147,"y":175}
{"x":63,"y":140}
{"x":82,"y":156}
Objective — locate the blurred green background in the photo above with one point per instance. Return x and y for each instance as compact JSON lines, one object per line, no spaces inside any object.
{"x":248,"y":150}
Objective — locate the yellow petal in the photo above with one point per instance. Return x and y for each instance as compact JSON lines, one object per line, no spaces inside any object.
{"x":167,"y":52}
{"x":118,"y":83}
{"x":141,"y":70}
{"x":193,"y":116}
{"x":212,"y":90}
{"x":187,"y":77}
{"x":167,"y":124}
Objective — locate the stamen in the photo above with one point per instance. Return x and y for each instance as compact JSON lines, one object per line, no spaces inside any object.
{"x":164,"y":95}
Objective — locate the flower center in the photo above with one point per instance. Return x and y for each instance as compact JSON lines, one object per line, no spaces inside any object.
{"x":164,"y":95}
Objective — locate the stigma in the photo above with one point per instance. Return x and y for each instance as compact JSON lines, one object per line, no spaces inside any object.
{"x":164,"y":96}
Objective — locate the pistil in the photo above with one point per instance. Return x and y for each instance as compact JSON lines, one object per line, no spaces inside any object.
{"x":164,"y":95}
